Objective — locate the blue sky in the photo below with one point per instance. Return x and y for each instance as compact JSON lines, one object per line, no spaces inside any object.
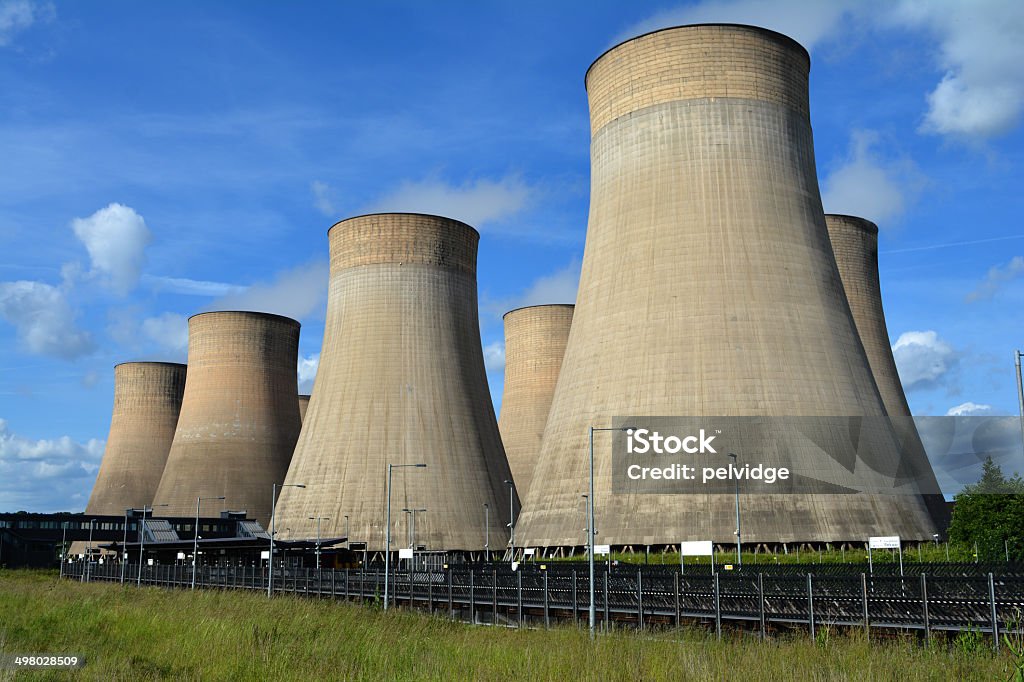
{"x":158,"y":160}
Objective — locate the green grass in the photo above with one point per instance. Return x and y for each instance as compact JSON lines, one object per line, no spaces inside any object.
{"x":130,"y":633}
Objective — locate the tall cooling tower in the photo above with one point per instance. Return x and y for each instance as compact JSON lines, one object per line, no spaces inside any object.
{"x":239,"y":416}
{"x":303,"y":406}
{"x":535,"y":339}
{"x":855,"y":245}
{"x":708,"y":288}
{"x":401,"y":381}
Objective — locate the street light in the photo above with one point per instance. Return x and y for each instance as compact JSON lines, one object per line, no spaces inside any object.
{"x":590,"y":526}
{"x":739,"y":555}
{"x":64,"y":550}
{"x":318,"y":519}
{"x":511,"y":519}
{"x":195,"y":540}
{"x":387,"y":533}
{"x":487,"y":531}
{"x":1020,"y":392}
{"x":142,"y":536}
{"x":88,"y":552}
{"x":273,"y":513}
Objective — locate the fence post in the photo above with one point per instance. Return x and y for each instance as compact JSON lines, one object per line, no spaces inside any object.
{"x":607,"y":606}
{"x":864,"y":603}
{"x":760,"y":602}
{"x":718,"y":610}
{"x":676,"y":592}
{"x":992,"y":603}
{"x":810,"y":604}
{"x":519,"y":587}
{"x":575,"y":602}
{"x":640,"y":598}
{"x":451,"y":604}
{"x":472,"y":597}
{"x":924,"y":607}
{"x":494,"y":596}
{"x":547,"y":618}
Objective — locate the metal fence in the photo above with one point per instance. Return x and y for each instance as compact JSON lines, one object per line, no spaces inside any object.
{"x":638,"y":596}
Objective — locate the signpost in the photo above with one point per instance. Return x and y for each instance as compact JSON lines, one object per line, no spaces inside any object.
{"x":884,"y":542}
{"x":696,"y":548}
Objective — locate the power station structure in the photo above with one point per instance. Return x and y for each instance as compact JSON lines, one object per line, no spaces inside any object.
{"x":239,"y":414}
{"x":147,"y":401}
{"x":401,"y":382}
{"x":708,"y":289}
{"x":535,"y":338}
{"x":303,"y":406}
{"x":855,"y":245}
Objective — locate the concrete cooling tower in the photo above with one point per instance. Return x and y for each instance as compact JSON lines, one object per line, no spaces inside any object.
{"x":401,"y":381}
{"x":855,"y":245}
{"x":535,"y":339}
{"x":239,"y":416}
{"x":303,"y":405}
{"x":708,"y":289}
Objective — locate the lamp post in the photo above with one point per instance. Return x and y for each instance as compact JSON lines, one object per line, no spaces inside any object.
{"x":142,"y":537}
{"x":1020,"y":392}
{"x":88,"y":552}
{"x":273,"y":513}
{"x":511,"y":519}
{"x":64,"y":550}
{"x":348,"y":541}
{"x":195,"y":539}
{"x":318,"y":519}
{"x":590,"y":527}
{"x":487,"y":531}
{"x":387,"y":533}
{"x":739,"y":555}
{"x":124,"y":544}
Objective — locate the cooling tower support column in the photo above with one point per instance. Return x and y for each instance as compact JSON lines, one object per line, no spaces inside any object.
{"x":239,"y":416}
{"x":401,"y":381}
{"x":708,"y":289}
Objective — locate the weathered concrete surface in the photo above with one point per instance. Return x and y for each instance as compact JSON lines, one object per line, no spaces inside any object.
{"x":303,"y":406}
{"x":239,"y":415}
{"x":535,"y":339}
{"x":401,"y":380}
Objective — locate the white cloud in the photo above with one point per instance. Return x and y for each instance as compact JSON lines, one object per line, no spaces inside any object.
{"x":980,"y":49}
{"x":922,"y":359}
{"x":996,"y":277}
{"x":869,"y":186}
{"x":18,"y":15}
{"x":806,"y":22}
{"x":169,"y":331}
{"x":322,"y":194}
{"x":307,"y":372}
{"x":116,"y":238}
{"x":191,"y":287}
{"x":558,"y":287}
{"x":44,"y":320}
{"x":494,"y":356}
{"x":968,"y":409}
{"x":294,"y":293}
{"x":474,"y":203}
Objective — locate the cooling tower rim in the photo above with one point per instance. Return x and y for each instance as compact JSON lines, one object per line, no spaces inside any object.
{"x":404,"y":213}
{"x":309,"y":395}
{"x":150,"y":362}
{"x":863,"y":223}
{"x":256,"y":313}
{"x":760,"y":29}
{"x":539,"y":305}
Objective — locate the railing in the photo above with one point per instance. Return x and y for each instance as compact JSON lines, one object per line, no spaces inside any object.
{"x":638,"y":596}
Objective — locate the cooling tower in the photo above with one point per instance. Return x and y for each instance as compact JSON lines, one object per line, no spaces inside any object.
{"x":708,"y":288}
{"x":239,"y":416}
{"x":535,"y":340}
{"x":855,"y":245}
{"x":303,"y":405}
{"x":401,"y":381}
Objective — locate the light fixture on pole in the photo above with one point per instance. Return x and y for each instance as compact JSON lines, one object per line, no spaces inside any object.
{"x":590,"y":528}
{"x":64,"y":550}
{"x":142,"y":537}
{"x":1020,"y":393}
{"x":273,"y":514}
{"x":124,"y":544}
{"x":487,"y":531}
{"x":387,"y":532}
{"x":195,"y":539}
{"x":739,"y":554}
{"x":318,"y":519}
{"x":511,"y":519}
{"x":88,"y":552}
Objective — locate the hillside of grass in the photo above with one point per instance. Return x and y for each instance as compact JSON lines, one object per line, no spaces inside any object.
{"x":127,"y":633}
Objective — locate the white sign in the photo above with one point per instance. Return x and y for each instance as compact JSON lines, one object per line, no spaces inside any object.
{"x":696,"y":548}
{"x":265,"y":554}
{"x":529,"y":551}
{"x":181,"y":555}
{"x":515,"y":565}
{"x":405,"y":553}
{"x":602,"y":549}
{"x":150,"y":562}
{"x":884,"y":542}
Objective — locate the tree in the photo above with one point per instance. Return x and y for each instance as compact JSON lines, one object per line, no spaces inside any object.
{"x":989,"y":513}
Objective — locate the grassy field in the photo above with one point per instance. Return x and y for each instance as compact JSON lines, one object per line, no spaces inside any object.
{"x":128,"y":633}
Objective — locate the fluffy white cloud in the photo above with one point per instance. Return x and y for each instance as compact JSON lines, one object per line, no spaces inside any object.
{"x":294,"y":293}
{"x":996,"y":277}
{"x":869,"y":186}
{"x":322,"y":194}
{"x":968,"y":409}
{"x":558,"y":287}
{"x":18,"y":15}
{"x":46,"y":474}
{"x":474,"y":203}
{"x":307,"y":372}
{"x":494,"y":356}
{"x":116,"y":238}
{"x":191,"y":287}
{"x":44,"y":320}
{"x":169,"y":331}
{"x":922,"y":359}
